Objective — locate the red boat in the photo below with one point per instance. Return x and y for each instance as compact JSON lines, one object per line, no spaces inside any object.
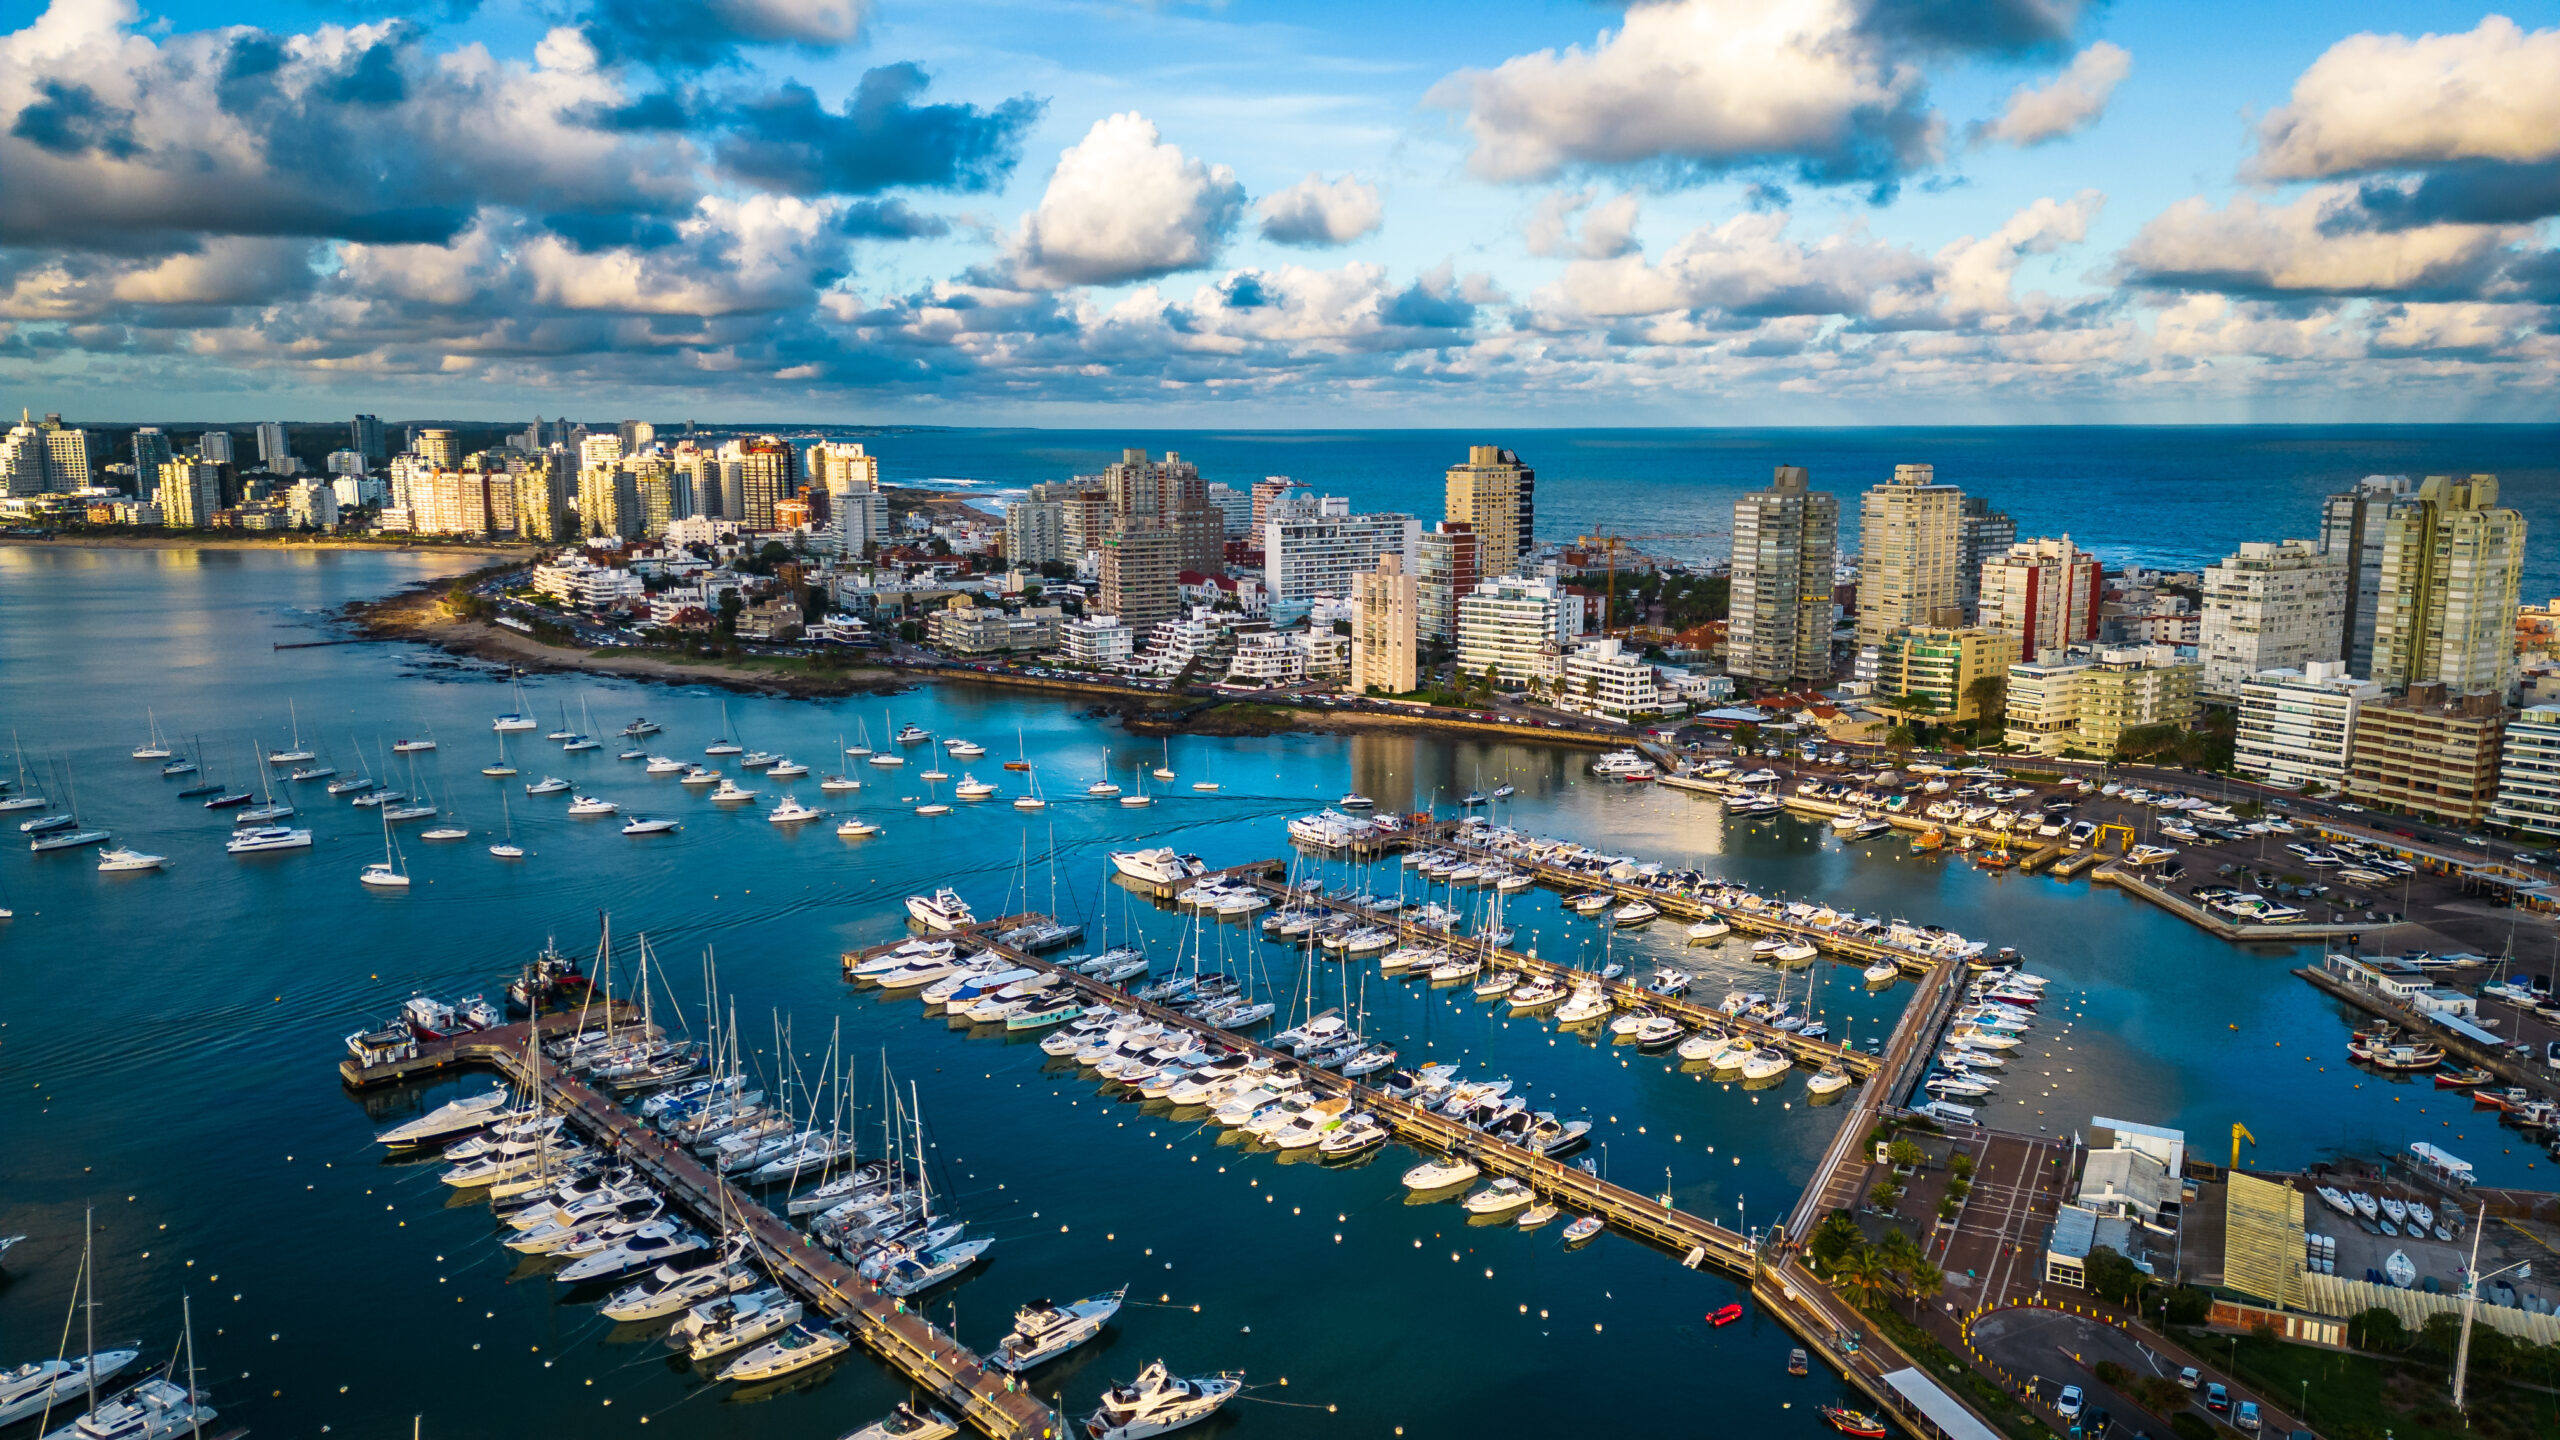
{"x":2463,"y":1079}
{"x":1725,"y":1316}
{"x":1853,"y":1422}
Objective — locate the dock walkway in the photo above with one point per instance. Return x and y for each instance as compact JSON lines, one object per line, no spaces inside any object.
{"x":934,"y":1361}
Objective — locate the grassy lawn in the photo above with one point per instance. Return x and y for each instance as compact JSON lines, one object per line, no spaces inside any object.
{"x":2362,"y":1397}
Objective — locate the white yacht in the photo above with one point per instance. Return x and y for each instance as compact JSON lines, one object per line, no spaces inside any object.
{"x":1161,"y":866}
{"x":547,"y":785}
{"x":838,"y":785}
{"x":267,"y":837}
{"x":1829,"y":1080}
{"x":1634,"y":912}
{"x":1354,"y":800}
{"x":592,"y":805}
{"x":125,"y":857}
{"x":698,"y":775}
{"x":1500,"y":1197}
{"x":1156,"y":1403}
{"x":912,"y":1420}
{"x":791,"y":812}
{"x":972,"y":788}
{"x":887,"y":761}
{"x":665,"y":765}
{"x":854,"y":827}
{"x":1708,"y":929}
{"x":1101,"y":790}
{"x":42,"y":1384}
{"x":152,"y":1410}
{"x":795,"y":1349}
{"x":913,"y":735}
{"x":1439,"y":1175}
{"x":943,"y":910}
{"x":720,"y":1326}
{"x":731,"y":793}
{"x":964,"y":749}
{"x":643,"y":825}
{"x":1767,"y":1063}
{"x":409,"y":747}
{"x":787,"y":769}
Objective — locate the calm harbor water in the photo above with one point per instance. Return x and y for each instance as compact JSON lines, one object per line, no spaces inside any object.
{"x":171,"y":1038}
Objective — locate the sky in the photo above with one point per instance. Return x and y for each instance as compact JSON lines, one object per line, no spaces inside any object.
{"x":1250,"y":213}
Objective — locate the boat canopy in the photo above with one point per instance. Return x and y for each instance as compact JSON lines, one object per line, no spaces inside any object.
{"x":1945,"y":1415}
{"x":2450,"y":1166}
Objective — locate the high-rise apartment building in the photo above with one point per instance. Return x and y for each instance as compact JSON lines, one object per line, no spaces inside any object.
{"x":215,"y":445}
{"x":2351,"y":532}
{"x":1785,"y":540}
{"x":190,"y":491}
{"x":151,"y":450}
{"x":365,"y":437}
{"x":70,"y":461}
{"x":1318,"y":549}
{"x":23,"y":467}
{"x":849,"y":477}
{"x":2270,"y":607}
{"x":2086,"y":704}
{"x":1384,"y":610}
{"x":1084,"y":514}
{"x":2529,"y":773}
{"x":1142,"y":558}
{"x":1445,"y":567}
{"x":635,"y":435}
{"x":1235,"y":510}
{"x":1034,"y":533}
{"x":1909,"y":534}
{"x":1942,"y":665}
{"x":2046,"y":592}
{"x":2430,"y":752}
{"x":768,"y":472}
{"x":1160,"y":526}
{"x":272,"y":443}
{"x":440,"y":448}
{"x":1266,"y":490}
{"x":2451,"y":562}
{"x":1983,"y":534}
{"x":1496,"y":496}
{"x":542,"y":498}
{"x":1514,"y":627}
{"x":2297,"y":723}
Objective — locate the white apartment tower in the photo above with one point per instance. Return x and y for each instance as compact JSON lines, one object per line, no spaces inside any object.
{"x":2351,"y":532}
{"x":2270,"y":607}
{"x":1515,"y":627}
{"x":2298,"y":723}
{"x":1385,"y":608}
{"x":1910,"y":540}
{"x":2451,"y":562}
{"x":1317,"y":549}
{"x":1785,"y":540}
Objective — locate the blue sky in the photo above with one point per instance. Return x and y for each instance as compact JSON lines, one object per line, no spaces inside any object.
{"x":1685,"y":211}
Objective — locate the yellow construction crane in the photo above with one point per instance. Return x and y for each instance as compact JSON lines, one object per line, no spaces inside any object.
{"x":1611,"y":544}
{"x":2239,"y":1132}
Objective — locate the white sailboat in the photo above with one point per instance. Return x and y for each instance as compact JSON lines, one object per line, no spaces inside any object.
{"x":1031,"y":801}
{"x":516,"y":719}
{"x":1165,"y":770}
{"x":293,"y":754}
{"x":152,"y":748}
{"x":727,"y":744}
{"x":503,"y":768}
{"x":1138,"y":799}
{"x":387,"y":873}
{"x":507,"y":849}
{"x":44,"y":1385}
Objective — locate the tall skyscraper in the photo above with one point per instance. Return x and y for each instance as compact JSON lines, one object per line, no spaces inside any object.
{"x":22,"y":460}
{"x":768,"y":472}
{"x":1034,"y":533}
{"x":2270,"y":607}
{"x":190,"y":491}
{"x":1909,"y":530}
{"x":1983,"y":535}
{"x":1161,"y":526}
{"x":635,"y":435}
{"x":440,"y":448}
{"x":364,"y":436}
{"x":2452,"y":559}
{"x":272,"y":444}
{"x":1141,"y":558}
{"x":2351,"y":529}
{"x":542,"y":498}
{"x":215,"y":445}
{"x":1084,"y":513}
{"x":1444,"y":568}
{"x":2045,"y":592}
{"x":70,"y":463}
{"x":849,"y":477}
{"x":1496,"y":496}
{"x":1384,"y":608}
{"x":151,"y":450}
{"x":1785,"y":542}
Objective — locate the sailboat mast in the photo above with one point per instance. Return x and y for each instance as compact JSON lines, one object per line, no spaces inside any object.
{"x":89,"y":1297}
{"x":915,"y":1109}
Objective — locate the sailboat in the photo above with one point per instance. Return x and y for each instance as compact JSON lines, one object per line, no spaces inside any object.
{"x":840,"y":784}
{"x":1102,"y":789}
{"x":582,"y":740}
{"x":1165,"y":770}
{"x":293,"y":754}
{"x":153,"y":748}
{"x":727,"y":743}
{"x":41,"y":1387}
{"x":22,"y":800}
{"x":1021,"y":752}
{"x":1140,"y":799}
{"x":503,"y":768}
{"x":386,"y":873}
{"x":1203,"y":786}
{"x":932,"y":771}
{"x":934,"y":805}
{"x":507,"y":849}
{"x":271,"y":809}
{"x":69,"y":833}
{"x":1031,"y":801}
{"x":861,"y":745}
{"x":515,"y":719}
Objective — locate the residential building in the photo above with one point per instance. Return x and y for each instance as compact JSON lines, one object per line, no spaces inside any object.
{"x":2529,"y":773}
{"x":151,"y":450}
{"x":1445,"y":567}
{"x":1142,"y":560}
{"x":1513,"y":628}
{"x":1174,"y":646}
{"x":23,"y":466}
{"x":1035,"y":533}
{"x":1496,"y":496}
{"x":1095,"y":642}
{"x":768,"y":471}
{"x":312,"y":504}
{"x":964,"y":628}
{"x":636,"y":435}
{"x":1269,"y":659}
{"x":215,"y":445}
{"x":653,"y":484}
{"x":574,"y":580}
{"x":189,"y":492}
{"x":2270,"y":607}
{"x":1784,"y":547}
{"x":1170,"y":491}
{"x":542,"y":499}
{"x":609,"y":502}
{"x":71,"y":462}
{"x":2048,"y":593}
{"x":2351,"y":533}
{"x":2431,"y":752}
{"x":2451,"y":561}
{"x":1386,"y":609}
{"x":1318,"y":549}
{"x":272,"y":443}
{"x":2134,"y":688}
{"x":1266,"y":490}
{"x":858,"y":509}
{"x":440,"y":448}
{"x":1982,"y":534}
{"x":1942,"y":665}
{"x":2297,"y":724}
{"x":450,"y":502}
{"x":2044,"y":705}
{"x":1909,"y":530}
{"x":1606,"y":678}
{"x":1235,"y":511}
{"x":365,"y":437}
{"x":1084,"y":514}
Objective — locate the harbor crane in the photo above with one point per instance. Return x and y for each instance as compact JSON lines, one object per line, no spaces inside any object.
{"x":1610,"y":544}
{"x":2239,"y":1132}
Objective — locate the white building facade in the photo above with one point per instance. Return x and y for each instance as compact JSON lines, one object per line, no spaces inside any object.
{"x":1318,"y":550}
{"x":1514,"y":627}
{"x":2270,"y":607}
{"x":2529,"y":773}
{"x":2298,"y":725}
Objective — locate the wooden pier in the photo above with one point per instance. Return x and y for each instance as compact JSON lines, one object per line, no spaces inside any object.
{"x":933,"y":1360}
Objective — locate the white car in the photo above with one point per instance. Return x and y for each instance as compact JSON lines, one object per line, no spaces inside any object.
{"x":2068,"y":1404}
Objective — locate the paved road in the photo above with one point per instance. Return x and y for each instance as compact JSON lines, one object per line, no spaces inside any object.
{"x":2057,"y":1348}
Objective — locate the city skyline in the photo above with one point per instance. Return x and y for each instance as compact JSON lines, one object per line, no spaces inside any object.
{"x":1699,"y":211}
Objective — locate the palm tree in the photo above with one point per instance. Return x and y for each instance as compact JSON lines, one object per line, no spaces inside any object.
{"x":1921,"y":1281}
{"x":1864,"y":1276}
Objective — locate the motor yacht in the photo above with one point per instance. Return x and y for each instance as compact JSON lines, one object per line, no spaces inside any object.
{"x":644,"y":825}
{"x":731,"y":793}
{"x":942,"y":911}
{"x":854,"y":827}
{"x":912,"y":1420}
{"x":791,"y":812}
{"x":1499,"y":1198}
{"x":1767,"y":1063}
{"x":1044,"y":1331}
{"x":583,"y":805}
{"x":407,"y":747}
{"x":547,"y":785}
{"x":1434,"y":1175}
{"x":797,"y":1348}
{"x":1354,"y":800}
{"x":1156,"y":1403}
{"x":49,"y":1384}
{"x":156,"y":1409}
{"x":267,"y":837}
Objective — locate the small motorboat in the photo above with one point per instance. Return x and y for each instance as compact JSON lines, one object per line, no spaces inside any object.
{"x":1583,"y":1229}
{"x":1799,"y":1363}
{"x":1853,"y":1422}
{"x":910,"y":1421}
{"x":1724,"y":1315}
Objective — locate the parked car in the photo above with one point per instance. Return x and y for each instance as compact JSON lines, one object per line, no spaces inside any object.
{"x":2247,"y":1418}
{"x":2067,"y":1404}
{"x":2217,"y":1399}
{"x":2189,"y":1378}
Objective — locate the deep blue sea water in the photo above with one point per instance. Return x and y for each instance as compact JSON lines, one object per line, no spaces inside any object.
{"x":2168,"y":496}
{"x":170,"y":1041}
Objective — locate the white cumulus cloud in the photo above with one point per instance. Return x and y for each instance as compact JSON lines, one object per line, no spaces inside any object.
{"x":2253,"y":247}
{"x":2375,"y":102}
{"x":1124,"y":204}
{"x":1318,"y":212}
{"x":2065,"y":105}
{"x":1716,"y":84}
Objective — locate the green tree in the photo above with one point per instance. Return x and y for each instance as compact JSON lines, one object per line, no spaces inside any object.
{"x":1914,"y":703}
{"x":2113,"y":1278}
{"x":1901,"y":737}
{"x":1989,"y":696}
{"x":1884,"y":1194}
{"x":2160,"y":1394}
{"x":1903,"y":1152}
{"x":1746,"y":736}
{"x":2376,"y":1329}
{"x":1836,"y":1236}
{"x":1864,"y":1277}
